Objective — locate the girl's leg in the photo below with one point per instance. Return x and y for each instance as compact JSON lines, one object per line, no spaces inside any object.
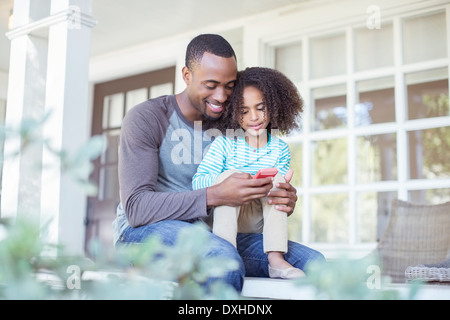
{"x":275,"y":235}
{"x":275,"y":229}
{"x":225,"y":223}
{"x":250,"y":248}
{"x":225,"y":220}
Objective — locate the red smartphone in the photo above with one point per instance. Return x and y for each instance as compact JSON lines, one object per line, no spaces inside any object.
{"x":264,"y":173}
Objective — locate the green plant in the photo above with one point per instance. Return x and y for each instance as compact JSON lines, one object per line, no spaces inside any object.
{"x":351,"y":279}
{"x":152,"y":270}
{"x":185,"y":265}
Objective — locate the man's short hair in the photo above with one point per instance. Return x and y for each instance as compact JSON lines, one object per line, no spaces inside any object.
{"x":211,"y":43}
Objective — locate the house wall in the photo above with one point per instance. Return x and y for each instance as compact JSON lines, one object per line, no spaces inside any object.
{"x":3,"y":94}
{"x":3,"y":84}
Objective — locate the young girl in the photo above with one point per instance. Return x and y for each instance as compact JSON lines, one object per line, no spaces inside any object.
{"x":264,"y":102}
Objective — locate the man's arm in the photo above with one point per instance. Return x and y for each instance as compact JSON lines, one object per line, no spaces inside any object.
{"x":140,"y":140}
{"x":237,"y":189}
{"x":240,"y":188}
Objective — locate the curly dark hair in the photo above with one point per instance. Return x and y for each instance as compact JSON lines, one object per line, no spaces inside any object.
{"x":280,"y":96}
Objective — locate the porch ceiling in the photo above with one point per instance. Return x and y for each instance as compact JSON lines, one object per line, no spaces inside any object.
{"x":123,"y":23}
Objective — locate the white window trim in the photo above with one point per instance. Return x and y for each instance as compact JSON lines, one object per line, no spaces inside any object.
{"x":400,"y":127}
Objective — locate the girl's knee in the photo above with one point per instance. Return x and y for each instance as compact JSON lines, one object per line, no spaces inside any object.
{"x":225,"y":175}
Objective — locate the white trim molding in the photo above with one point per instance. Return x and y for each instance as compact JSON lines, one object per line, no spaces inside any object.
{"x":73,"y":15}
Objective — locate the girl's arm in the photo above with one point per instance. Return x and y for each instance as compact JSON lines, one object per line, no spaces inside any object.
{"x":211,"y":166}
{"x":284,"y":159}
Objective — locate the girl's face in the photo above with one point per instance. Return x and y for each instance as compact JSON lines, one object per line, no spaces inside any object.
{"x":254,"y":116}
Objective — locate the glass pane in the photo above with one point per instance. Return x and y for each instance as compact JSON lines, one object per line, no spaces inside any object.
{"x":110,"y":156}
{"x":330,"y":218}
{"x":161,"y":90}
{"x":376,"y":158}
{"x":373,"y":214}
{"x":113,"y":110}
{"x":374,"y":48}
{"x":330,"y":108}
{"x":109,"y":183}
{"x":135,"y":97}
{"x":429,"y":153}
{"x":297,"y":163}
{"x":295,"y":224}
{"x":288,"y":59}
{"x":430,"y":196}
{"x":425,"y":38}
{"x":428,"y":94}
{"x":376,"y":102}
{"x":328,"y":56}
{"x":329,"y":162}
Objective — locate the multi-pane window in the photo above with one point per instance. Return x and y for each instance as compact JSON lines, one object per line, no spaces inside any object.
{"x":115,"y":106}
{"x":376,"y":125}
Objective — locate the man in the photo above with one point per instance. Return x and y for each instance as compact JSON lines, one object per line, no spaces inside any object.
{"x":159,"y":154}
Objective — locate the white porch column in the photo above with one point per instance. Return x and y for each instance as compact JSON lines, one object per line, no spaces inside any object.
{"x":25,"y":98}
{"x":67,"y":99}
{"x":49,"y":72}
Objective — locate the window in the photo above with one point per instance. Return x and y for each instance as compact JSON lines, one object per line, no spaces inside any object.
{"x":376,"y":125}
{"x":328,"y":56}
{"x":375,"y":101}
{"x":374,"y":48}
{"x":424,"y":37}
{"x":330,"y":108}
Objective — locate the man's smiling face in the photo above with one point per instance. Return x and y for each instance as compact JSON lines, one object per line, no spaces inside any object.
{"x":210,"y":84}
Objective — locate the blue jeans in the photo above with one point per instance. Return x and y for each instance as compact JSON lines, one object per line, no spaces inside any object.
{"x":249,"y":254}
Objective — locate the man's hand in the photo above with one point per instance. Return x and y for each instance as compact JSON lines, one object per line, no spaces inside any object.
{"x":238,"y":189}
{"x":286,"y":198}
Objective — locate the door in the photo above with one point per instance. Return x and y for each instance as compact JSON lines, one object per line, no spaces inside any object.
{"x":112,"y":100}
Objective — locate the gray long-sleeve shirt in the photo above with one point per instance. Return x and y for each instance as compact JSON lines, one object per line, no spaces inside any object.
{"x":159,"y":152}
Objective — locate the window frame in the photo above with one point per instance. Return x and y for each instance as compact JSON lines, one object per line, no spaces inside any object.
{"x":402,"y":185}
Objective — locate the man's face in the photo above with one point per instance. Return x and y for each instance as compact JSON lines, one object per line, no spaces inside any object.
{"x":210,"y":84}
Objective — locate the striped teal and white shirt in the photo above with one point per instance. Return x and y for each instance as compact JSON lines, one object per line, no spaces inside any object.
{"x":226,"y":154}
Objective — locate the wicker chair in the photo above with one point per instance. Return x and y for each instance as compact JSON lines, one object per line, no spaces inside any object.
{"x":415,"y":235}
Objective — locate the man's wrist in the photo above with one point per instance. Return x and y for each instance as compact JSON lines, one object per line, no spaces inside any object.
{"x":212,"y":198}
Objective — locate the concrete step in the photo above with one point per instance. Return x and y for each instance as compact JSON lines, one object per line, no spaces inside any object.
{"x":266,"y":288}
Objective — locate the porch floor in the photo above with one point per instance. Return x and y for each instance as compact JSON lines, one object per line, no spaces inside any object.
{"x":265,"y":288}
